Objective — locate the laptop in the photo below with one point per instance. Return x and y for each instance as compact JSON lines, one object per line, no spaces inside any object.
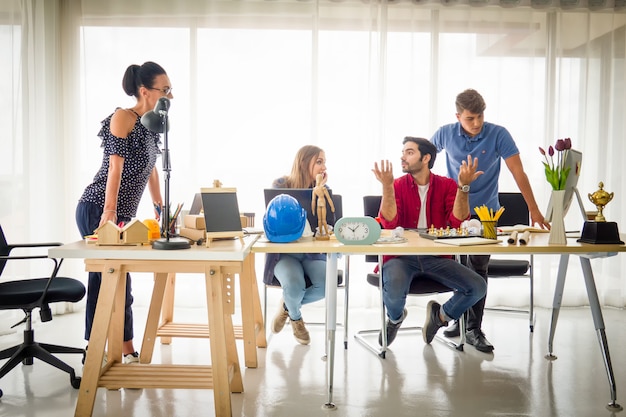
{"x":304,"y":196}
{"x":196,"y":206}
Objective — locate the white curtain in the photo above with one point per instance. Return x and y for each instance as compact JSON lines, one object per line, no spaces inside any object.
{"x":255,"y":80}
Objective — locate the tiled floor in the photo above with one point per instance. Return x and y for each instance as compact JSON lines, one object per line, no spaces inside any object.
{"x":414,"y":379}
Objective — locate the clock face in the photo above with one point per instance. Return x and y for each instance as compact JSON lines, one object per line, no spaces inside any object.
{"x":354,"y":231}
{"x":357,"y":230}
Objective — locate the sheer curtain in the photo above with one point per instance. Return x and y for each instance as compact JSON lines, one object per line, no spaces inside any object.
{"x":255,"y":80}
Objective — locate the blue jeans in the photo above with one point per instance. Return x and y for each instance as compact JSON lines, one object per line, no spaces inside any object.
{"x":478,"y":264}
{"x":290,"y":272}
{"x":468,"y":286}
{"x":88,"y":219}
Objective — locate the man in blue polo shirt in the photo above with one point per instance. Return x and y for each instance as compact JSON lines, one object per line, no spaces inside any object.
{"x":490,"y":143}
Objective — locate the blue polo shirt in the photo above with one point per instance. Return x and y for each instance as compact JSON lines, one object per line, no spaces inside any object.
{"x":490,"y":146}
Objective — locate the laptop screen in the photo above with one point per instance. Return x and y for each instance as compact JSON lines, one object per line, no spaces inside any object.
{"x":304,"y":196}
{"x":196,"y":205}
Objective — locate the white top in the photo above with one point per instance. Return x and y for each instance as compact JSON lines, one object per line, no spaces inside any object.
{"x":422,"y":223}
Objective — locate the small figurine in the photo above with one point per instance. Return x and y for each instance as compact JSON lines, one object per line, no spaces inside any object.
{"x":318,"y":205}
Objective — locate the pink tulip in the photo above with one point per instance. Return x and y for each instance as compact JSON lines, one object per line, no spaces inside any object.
{"x":556,"y":171}
{"x":560,"y":145}
{"x":568,"y":143}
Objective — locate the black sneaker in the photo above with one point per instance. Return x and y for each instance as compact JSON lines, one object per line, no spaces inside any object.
{"x":453,"y":331}
{"x":433,"y":322}
{"x":476,"y":338}
{"x":392,"y":329}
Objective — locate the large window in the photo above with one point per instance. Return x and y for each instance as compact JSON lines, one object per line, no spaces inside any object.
{"x":11,"y":157}
{"x":248,"y":95}
{"x":255,"y":80}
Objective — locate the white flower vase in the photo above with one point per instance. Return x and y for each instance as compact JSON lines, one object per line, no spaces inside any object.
{"x":557,"y":229}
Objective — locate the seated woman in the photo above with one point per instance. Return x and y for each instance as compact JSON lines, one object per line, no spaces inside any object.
{"x":290,"y":269}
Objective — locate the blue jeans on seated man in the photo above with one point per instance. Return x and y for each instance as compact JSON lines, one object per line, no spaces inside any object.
{"x":468,"y":286}
{"x":290,"y":271}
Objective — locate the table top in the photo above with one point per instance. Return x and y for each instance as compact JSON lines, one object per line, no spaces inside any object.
{"x":219,"y":250}
{"x":234,"y":250}
{"x":538,"y":244}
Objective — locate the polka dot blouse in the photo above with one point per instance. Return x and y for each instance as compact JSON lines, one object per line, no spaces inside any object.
{"x":139,"y":150}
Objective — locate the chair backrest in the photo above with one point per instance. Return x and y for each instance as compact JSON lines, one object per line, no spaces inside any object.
{"x":371,"y":207}
{"x":338,"y":203}
{"x":4,"y":250}
{"x":515,"y":209}
{"x":515,"y":212}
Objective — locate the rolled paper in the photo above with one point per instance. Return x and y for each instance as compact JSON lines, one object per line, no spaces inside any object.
{"x":525,"y":238}
{"x":513,"y":238}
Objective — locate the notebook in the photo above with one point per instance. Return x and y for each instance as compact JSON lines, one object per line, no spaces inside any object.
{"x":303,"y":195}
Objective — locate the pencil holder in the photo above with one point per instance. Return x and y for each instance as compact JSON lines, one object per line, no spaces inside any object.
{"x":175,"y":226}
{"x":489,"y":229}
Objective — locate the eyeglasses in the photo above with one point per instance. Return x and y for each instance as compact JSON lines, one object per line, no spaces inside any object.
{"x":165,"y":90}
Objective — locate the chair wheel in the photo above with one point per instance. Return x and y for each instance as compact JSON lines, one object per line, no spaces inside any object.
{"x":75,"y":381}
{"x":1,"y":393}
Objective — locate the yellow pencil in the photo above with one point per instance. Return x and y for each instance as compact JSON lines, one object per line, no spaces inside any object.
{"x":499,"y":213}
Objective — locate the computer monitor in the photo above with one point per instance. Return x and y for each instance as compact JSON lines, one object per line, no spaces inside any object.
{"x":573,"y":160}
{"x":304,"y":196}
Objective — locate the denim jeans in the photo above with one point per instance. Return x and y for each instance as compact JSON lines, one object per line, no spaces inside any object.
{"x":478,"y":264}
{"x":468,"y":286}
{"x":88,"y":219}
{"x":290,"y":272}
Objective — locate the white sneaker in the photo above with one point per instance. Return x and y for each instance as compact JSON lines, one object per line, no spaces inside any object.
{"x":104,"y":358}
{"x":130,"y":358}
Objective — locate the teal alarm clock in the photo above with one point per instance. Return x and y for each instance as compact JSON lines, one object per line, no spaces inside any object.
{"x":363,"y":230}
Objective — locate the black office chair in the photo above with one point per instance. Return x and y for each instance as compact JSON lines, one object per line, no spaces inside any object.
{"x":515,"y":213}
{"x":29,"y":294}
{"x":342,"y":278}
{"x":420,"y":286}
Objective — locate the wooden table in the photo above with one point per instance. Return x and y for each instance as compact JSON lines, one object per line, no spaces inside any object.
{"x":217,"y":263}
{"x":251,"y":330}
{"x":416,"y":245}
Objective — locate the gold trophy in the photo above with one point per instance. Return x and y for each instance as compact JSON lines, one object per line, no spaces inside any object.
{"x":599,"y":230}
{"x":600,"y":199}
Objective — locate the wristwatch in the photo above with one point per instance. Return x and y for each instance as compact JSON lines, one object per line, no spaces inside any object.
{"x":465,"y":188}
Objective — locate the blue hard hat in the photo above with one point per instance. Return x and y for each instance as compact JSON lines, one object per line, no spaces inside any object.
{"x":284,"y":219}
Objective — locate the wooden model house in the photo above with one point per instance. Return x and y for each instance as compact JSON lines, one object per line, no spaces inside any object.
{"x":134,"y":233}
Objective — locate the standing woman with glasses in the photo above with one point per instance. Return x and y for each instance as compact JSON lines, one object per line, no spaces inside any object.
{"x":128,"y":165}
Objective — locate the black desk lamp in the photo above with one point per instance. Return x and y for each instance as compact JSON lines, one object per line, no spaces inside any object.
{"x":157,"y":121}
